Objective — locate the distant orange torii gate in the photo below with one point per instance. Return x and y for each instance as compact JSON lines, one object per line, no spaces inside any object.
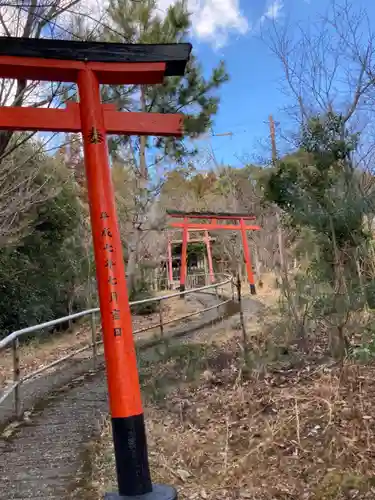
{"x":205,"y":239}
{"x":213,"y":225}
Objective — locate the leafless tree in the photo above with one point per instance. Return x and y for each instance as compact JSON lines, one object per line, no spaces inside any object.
{"x":328,"y":66}
{"x":19,"y":188}
{"x":30,"y":20}
{"x":22,"y":187}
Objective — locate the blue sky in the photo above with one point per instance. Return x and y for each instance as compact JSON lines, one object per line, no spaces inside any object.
{"x":255,"y":73}
{"x":236,"y":31}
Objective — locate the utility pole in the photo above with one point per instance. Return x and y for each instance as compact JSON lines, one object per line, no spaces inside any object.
{"x":273,"y":139}
{"x":274,"y":162}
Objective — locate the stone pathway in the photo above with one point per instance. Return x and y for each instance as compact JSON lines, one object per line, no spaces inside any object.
{"x":42,"y":458}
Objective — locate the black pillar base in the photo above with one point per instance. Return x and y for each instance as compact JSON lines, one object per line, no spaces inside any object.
{"x":129,"y":439}
{"x":252,"y":290}
{"x":182,"y":289}
{"x":159,"y":492}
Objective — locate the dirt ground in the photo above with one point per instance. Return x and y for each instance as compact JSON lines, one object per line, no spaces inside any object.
{"x":217,"y":429}
{"x":45,"y":349}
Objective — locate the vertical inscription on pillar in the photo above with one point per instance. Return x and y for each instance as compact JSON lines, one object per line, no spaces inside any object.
{"x":110,"y":264}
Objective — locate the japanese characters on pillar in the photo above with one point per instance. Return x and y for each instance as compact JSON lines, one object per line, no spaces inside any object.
{"x":110,"y":264}
{"x":125,"y":400}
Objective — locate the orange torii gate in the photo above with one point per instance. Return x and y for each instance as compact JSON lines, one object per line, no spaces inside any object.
{"x":213,"y":225}
{"x":206,"y":239}
{"x":89,"y":65}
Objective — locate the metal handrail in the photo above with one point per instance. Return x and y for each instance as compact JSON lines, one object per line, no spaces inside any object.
{"x":13,"y":338}
{"x":30,"y":329}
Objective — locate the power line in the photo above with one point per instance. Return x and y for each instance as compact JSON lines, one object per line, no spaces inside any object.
{"x":223,"y":134}
{"x":106,"y":26}
{"x":51,"y":21}
{"x":24,"y":7}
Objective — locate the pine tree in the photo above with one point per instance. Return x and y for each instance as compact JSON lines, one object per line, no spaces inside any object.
{"x":193,"y":95}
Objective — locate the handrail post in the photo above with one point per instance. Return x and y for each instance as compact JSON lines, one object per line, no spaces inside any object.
{"x":242,"y":321}
{"x":161,"y":318}
{"x":93,"y":340}
{"x":16,"y":376}
{"x":218,"y":301}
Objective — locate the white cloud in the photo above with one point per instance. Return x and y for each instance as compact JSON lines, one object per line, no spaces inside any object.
{"x":272,"y":12}
{"x":214,"y":20}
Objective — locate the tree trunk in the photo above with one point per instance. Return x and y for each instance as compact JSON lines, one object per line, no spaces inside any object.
{"x":361,"y":284}
{"x":340,"y":288}
{"x":133,"y":259}
{"x":205,"y":267}
{"x":257,"y":266}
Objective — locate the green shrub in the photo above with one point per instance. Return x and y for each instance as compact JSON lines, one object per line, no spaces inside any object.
{"x":141,"y":292}
{"x":41,"y":273}
{"x":370,"y":294}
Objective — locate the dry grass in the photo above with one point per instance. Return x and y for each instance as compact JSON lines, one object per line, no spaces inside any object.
{"x":291,"y":435}
{"x":288,"y":436}
{"x":41,"y":351}
{"x":268,"y":293}
{"x":304,"y":433}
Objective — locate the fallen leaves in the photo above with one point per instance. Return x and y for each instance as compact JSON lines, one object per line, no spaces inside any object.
{"x":275,"y":438}
{"x":296,"y":433}
{"x":184,"y":475}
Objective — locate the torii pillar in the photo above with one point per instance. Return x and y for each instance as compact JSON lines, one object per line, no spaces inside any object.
{"x":91,"y":64}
